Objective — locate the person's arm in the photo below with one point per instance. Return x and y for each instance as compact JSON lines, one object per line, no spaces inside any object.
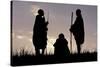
{"x":55,"y":44}
{"x":46,"y":22}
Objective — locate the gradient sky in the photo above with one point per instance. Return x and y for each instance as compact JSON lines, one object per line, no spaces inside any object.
{"x":59,"y":15}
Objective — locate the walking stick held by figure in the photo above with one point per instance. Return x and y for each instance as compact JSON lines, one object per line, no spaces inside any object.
{"x":47,"y":24}
{"x":71,"y":34}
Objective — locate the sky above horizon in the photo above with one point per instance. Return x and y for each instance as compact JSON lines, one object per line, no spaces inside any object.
{"x":59,"y":15}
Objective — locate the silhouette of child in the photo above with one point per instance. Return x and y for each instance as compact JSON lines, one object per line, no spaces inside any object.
{"x":61,"y":46}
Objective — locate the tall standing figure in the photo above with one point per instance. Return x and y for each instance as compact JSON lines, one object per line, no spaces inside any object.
{"x":40,"y":32}
{"x":78,"y":30}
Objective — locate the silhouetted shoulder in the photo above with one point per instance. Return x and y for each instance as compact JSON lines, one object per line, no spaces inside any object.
{"x":56,"y":42}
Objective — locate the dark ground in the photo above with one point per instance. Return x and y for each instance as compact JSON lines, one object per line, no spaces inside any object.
{"x":26,"y":59}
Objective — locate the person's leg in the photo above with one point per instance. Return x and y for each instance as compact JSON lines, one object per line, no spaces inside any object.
{"x":43,"y":51}
{"x":78,"y":48}
{"x":37,"y":51}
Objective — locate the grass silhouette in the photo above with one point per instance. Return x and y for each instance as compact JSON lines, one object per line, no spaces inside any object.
{"x":28,"y":59}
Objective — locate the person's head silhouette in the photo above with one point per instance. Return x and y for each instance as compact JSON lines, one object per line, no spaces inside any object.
{"x":41,"y":12}
{"x":61,"y":36}
{"x":78,"y":12}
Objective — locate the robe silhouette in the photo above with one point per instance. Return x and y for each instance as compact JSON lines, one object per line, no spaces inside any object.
{"x":40,"y":32}
{"x":61,"y":46}
{"x":78,"y":30}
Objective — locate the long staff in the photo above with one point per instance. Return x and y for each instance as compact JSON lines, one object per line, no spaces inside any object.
{"x":71,"y":33}
{"x":47,"y":21}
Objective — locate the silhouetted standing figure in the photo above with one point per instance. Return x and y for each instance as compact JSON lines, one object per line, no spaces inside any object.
{"x":61,"y":46}
{"x":40,"y":32}
{"x":78,"y":30}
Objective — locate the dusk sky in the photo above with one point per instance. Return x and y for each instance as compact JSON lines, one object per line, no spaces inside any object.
{"x":59,"y":15}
